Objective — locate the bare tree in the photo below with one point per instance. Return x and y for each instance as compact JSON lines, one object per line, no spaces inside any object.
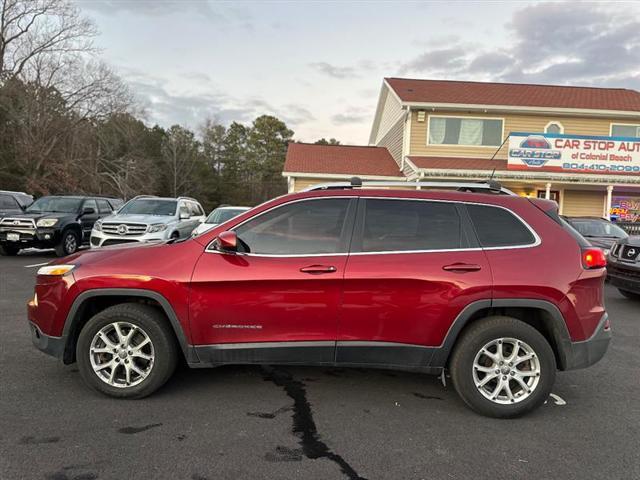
{"x":180,"y":155}
{"x":32,"y":29}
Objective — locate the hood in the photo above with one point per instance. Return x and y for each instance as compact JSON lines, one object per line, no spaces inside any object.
{"x":135,"y":218}
{"x":633,"y":240}
{"x":38,"y":216}
{"x":9,"y":212}
{"x":107,"y":253}
{"x":602,"y":242}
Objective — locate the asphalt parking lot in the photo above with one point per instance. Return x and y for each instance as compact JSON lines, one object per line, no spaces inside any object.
{"x":306,"y":423}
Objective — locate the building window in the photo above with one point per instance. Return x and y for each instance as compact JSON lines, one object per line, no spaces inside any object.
{"x":554,"y":127}
{"x":625,"y":130}
{"x":464,"y":131}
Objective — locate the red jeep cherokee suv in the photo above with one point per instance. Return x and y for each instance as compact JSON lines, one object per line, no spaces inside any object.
{"x":497,"y":289}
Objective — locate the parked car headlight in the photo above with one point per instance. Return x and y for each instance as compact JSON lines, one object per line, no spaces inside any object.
{"x":606,"y":252}
{"x":98,"y":226}
{"x":157,"y":227}
{"x":47,"y":222}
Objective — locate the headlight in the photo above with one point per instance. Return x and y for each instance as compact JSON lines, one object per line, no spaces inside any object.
{"x":98,"y":226}
{"x":157,"y":227}
{"x":55,"y":270}
{"x":606,"y":252}
{"x":47,"y":222}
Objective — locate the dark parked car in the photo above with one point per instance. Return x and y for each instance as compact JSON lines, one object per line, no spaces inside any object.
{"x":624,"y":267}
{"x":495,"y":288}
{"x":60,"y":222}
{"x":598,"y":231}
{"x":12,"y":203}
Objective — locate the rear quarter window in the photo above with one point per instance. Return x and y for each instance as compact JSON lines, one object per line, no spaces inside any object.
{"x":497,"y":227}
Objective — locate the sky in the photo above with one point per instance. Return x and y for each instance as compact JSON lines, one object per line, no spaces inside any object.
{"x":319,"y":66}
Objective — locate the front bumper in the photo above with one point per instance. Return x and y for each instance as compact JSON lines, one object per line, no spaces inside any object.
{"x":53,"y":346}
{"x":38,"y":238}
{"x":101,"y":239}
{"x":624,"y":276}
{"x":583,"y":354}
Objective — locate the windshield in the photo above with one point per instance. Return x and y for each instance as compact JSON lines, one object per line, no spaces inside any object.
{"x":149,"y":206}
{"x":7,"y":201}
{"x":56,"y":205}
{"x":597,"y":228}
{"x":220,"y":215}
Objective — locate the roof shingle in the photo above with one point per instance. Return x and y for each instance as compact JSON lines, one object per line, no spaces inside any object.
{"x":515,"y":94}
{"x":340,"y":159}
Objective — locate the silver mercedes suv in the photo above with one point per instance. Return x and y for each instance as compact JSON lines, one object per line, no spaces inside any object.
{"x":148,"y":219}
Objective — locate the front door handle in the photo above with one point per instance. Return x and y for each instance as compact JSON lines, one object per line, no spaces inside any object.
{"x":318,"y":269}
{"x":462,"y":267}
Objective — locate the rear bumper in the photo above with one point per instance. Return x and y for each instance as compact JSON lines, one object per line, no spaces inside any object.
{"x":53,"y":346}
{"x":590,"y":351}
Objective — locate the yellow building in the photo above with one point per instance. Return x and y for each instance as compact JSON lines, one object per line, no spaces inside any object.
{"x":579,"y":146}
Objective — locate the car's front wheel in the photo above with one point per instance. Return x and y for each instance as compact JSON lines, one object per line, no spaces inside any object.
{"x":628,"y":294}
{"x":503,"y":367}
{"x":69,"y":243}
{"x":127,"y":351}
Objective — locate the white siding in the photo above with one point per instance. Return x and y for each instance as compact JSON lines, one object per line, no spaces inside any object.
{"x":391,"y":112}
{"x":393,"y":141}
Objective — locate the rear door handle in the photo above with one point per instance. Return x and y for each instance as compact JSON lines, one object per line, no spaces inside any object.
{"x":462,"y":267}
{"x":318,"y":269}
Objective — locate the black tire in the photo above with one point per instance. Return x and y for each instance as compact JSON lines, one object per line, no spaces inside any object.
{"x":477,"y":336}
{"x":630,"y":295}
{"x":9,"y":250}
{"x":154,"y":325}
{"x":175,"y":236}
{"x":69,"y":243}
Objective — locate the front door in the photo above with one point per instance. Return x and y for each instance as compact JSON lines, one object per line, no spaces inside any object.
{"x":88,"y":219}
{"x":414,"y":266}
{"x":278,"y":299}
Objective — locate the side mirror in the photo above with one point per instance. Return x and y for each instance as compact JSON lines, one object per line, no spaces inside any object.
{"x":227,"y":242}
{"x":184,"y":216}
{"x":88,"y":211}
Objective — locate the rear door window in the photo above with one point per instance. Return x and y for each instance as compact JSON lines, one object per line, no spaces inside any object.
{"x":410,"y":225}
{"x":498,"y":227}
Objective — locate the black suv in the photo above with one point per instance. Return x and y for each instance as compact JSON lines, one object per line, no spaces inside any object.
{"x":12,"y":203}
{"x":60,"y":222}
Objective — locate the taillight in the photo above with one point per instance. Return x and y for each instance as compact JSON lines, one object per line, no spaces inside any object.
{"x":593,"y":258}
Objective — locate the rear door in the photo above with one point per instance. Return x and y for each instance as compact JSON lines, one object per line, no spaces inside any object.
{"x":278,"y":298}
{"x":413,"y":267}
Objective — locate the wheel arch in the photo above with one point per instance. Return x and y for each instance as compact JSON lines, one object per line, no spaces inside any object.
{"x":542,"y":315}
{"x":90,"y":302}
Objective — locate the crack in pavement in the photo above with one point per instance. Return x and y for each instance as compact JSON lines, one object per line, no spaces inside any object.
{"x":304,"y":427}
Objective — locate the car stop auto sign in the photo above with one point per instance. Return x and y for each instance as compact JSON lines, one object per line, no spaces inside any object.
{"x":574,"y":153}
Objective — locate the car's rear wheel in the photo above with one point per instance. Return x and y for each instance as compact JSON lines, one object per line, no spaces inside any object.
{"x":69,"y":243}
{"x":9,"y":250}
{"x":501,"y":367}
{"x":628,"y":294}
{"x":127,"y":351}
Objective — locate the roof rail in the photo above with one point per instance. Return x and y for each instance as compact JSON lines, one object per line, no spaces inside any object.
{"x":490,"y":186}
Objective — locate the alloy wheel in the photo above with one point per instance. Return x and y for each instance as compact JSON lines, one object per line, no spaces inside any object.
{"x":121,"y":354}
{"x":506,"y":371}
{"x":70,"y":243}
